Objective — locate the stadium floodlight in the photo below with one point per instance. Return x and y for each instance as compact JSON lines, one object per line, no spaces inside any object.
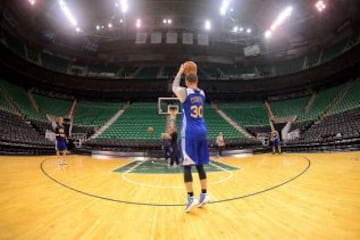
{"x":124,"y":6}
{"x":97,"y":27}
{"x":207,"y":25}
{"x":121,"y":20}
{"x":77,"y":29}
{"x":320,"y":5}
{"x":282,"y":17}
{"x":224,"y":7}
{"x":241,"y":29}
{"x":235,"y":29}
{"x":32,"y":2}
{"x":138,"y":23}
{"x":66,"y":10}
{"x":167,"y":21}
{"x":267,"y":34}
{"x":248,"y":30}
{"x":110,"y":25}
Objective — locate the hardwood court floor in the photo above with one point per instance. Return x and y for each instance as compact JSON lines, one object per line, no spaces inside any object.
{"x":289,"y":196}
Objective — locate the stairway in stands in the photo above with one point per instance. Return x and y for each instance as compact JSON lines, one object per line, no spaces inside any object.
{"x":110,"y":121}
{"x":310,"y":104}
{"x":230,"y":121}
{"x":134,"y":123}
{"x":336,"y":99}
{"x":33,"y":101}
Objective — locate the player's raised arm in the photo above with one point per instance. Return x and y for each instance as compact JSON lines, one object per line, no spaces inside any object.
{"x":179,"y":91}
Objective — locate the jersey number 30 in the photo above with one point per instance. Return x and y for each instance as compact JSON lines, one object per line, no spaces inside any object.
{"x":196,"y":111}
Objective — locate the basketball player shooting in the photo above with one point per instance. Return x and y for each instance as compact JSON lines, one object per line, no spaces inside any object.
{"x":194,"y":146}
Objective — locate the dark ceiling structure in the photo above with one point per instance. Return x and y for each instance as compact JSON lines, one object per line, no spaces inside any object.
{"x":307,"y":29}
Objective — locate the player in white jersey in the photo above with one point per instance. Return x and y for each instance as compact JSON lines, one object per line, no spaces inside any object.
{"x":194,"y":146}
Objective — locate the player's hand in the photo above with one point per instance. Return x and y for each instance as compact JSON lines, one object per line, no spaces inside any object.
{"x":181,"y":69}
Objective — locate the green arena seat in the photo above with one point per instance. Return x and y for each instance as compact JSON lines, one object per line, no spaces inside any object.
{"x":289,"y":107}
{"x":148,"y":72}
{"x":351,"y":100}
{"x":54,"y":63}
{"x":95,"y":114}
{"x":53,"y":106}
{"x":134,"y":122}
{"x":216,"y":124}
{"x":246,"y":113}
{"x":20,"y":97}
{"x":322,"y":101}
{"x":335,"y":50}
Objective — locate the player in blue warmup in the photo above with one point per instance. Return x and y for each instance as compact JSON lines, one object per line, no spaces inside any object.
{"x":194,"y":145}
{"x":61,"y":140}
{"x":275,"y":139}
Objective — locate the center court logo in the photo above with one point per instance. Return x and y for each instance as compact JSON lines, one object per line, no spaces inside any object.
{"x":161,"y":167}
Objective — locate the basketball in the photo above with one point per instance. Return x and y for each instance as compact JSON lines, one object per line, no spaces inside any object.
{"x":150,"y":130}
{"x":190,"y":67}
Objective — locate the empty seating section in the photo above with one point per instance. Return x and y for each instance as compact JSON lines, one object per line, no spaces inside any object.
{"x":210,"y":70}
{"x":41,"y":126}
{"x":290,"y":107}
{"x":322,"y":101}
{"x":351,"y":99}
{"x":246,"y":113}
{"x":170,"y":71}
{"x":4,"y":105}
{"x":265,"y":70}
{"x":128,"y":71}
{"x":47,"y":105}
{"x":216,"y":124}
{"x":83,"y":129}
{"x":54,"y":63}
{"x":228,"y":69}
{"x":53,"y":106}
{"x":289,"y":66}
{"x":148,"y":72}
{"x":254,"y":130}
{"x":21,"y":99}
{"x":60,"y":63}
{"x":134,"y":122}
{"x":15,"y":45}
{"x":95,"y":114}
{"x":32,"y":54}
{"x":103,"y":68}
{"x":334,"y":50}
{"x":132,"y":126}
{"x":232,"y":70}
{"x":344,"y":125}
{"x":313,"y":59}
{"x":354,"y":40}
{"x":201,"y":74}
{"x":14,"y":129}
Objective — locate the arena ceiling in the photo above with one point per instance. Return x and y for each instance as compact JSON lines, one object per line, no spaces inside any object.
{"x":306,"y":27}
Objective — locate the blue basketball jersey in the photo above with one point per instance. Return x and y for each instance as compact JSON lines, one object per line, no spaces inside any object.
{"x":194,"y":145}
{"x":193,"y":123}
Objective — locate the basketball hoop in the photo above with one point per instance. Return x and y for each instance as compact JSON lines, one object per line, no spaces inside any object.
{"x":167,"y":103}
{"x":172,"y":111}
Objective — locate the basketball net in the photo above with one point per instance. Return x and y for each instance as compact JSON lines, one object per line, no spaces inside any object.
{"x":172,"y":112}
